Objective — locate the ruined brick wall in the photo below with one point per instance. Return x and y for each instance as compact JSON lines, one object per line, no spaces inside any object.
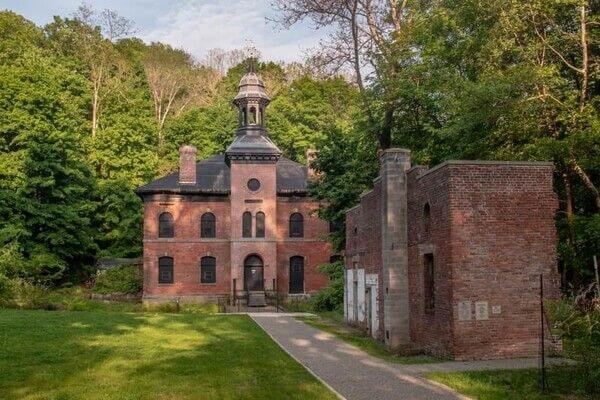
{"x":186,"y":247}
{"x":430,"y":330}
{"x":363,"y":240}
{"x":503,"y":236}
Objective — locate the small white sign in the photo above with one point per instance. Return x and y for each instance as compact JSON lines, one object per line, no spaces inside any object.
{"x":371,"y":279}
{"x":481,"y":310}
{"x":496,"y":310}
{"x":464,"y":310}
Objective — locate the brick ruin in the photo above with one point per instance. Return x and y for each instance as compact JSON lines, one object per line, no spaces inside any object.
{"x":447,"y":260}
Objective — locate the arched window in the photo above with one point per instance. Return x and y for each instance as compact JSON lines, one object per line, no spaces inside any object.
{"x":296,"y":225}
{"x":165,"y":225}
{"x":260,"y":225}
{"x":296,"y":274}
{"x":207,"y":225}
{"x":252,"y":116}
{"x":244,"y":117}
{"x":246,"y":225}
{"x":208,"y":270}
{"x":165,"y":270}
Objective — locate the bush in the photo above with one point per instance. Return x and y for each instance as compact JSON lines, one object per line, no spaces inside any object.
{"x":331,"y":298}
{"x":6,"y":289}
{"x":577,"y":321}
{"x":126,"y":279}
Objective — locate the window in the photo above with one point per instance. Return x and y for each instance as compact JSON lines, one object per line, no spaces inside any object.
{"x":296,"y":274}
{"x":335,"y":258}
{"x":245,"y":117}
{"x":253,"y":184}
{"x":429,"y":279}
{"x":208,"y":267}
{"x":426,"y":217}
{"x":165,"y":225}
{"x":246,"y":225}
{"x":207,"y":225}
{"x":296,"y":225}
{"x":165,"y":270}
{"x":260,"y":225}
{"x":252,"y":116}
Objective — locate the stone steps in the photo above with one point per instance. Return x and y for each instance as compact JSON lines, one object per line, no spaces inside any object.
{"x":257,"y":299}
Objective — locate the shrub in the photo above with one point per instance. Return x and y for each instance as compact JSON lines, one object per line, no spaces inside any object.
{"x":125,"y":279}
{"x":331,"y":298}
{"x":577,"y":321}
{"x":6,"y":289}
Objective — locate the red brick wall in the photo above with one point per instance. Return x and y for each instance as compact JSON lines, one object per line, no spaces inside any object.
{"x":503,"y":236}
{"x":364,"y":244}
{"x":186,"y":247}
{"x":430,"y":331}
{"x":314,"y":247}
{"x":491,"y":231}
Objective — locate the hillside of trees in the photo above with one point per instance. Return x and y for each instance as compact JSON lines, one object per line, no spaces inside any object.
{"x":88,"y":112}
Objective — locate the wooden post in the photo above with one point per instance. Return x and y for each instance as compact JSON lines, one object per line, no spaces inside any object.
{"x":597,"y":278}
{"x":542,"y":347}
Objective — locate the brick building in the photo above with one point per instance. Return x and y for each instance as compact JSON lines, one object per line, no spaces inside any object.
{"x":447,"y":260}
{"x":238,"y":224}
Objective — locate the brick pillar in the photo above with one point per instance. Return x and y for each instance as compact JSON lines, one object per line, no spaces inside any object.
{"x":187,"y":165}
{"x":394,"y":246}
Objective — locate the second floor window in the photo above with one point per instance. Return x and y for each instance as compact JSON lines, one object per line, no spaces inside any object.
{"x":165,"y":226}
{"x":208,"y":225}
{"x":260,"y":225}
{"x":296,"y":225}
{"x":246,"y":225}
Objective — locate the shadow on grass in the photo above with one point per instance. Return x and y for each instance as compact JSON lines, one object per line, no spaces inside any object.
{"x":85,"y":355}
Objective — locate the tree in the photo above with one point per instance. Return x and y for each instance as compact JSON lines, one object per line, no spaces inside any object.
{"x":46,"y":189}
{"x":176,"y":82}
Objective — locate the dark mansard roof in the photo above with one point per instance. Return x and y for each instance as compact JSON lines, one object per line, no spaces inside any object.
{"x":213,"y":177}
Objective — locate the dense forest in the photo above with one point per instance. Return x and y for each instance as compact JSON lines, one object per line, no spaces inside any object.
{"x":88,"y":112}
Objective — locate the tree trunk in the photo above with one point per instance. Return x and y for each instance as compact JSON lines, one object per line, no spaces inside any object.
{"x":584,"y":59}
{"x":586,"y":181}
{"x":385,"y":135}
{"x":95,"y":102}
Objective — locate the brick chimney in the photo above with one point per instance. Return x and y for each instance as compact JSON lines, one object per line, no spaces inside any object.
{"x":187,"y":165}
{"x":311,"y":155}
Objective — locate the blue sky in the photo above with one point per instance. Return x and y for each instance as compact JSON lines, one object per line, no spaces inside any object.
{"x":194,"y":25}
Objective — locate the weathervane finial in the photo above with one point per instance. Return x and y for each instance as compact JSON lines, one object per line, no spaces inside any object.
{"x":252,"y":55}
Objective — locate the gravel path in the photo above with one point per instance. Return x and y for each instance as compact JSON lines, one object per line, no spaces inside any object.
{"x":356,"y":375}
{"x":351,"y":373}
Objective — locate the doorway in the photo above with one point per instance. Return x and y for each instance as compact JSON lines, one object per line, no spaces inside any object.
{"x":296,"y":275}
{"x":253,"y":274}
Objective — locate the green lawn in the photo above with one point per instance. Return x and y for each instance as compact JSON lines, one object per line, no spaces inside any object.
{"x":103,"y":355}
{"x":332,"y":322}
{"x":564,"y":384}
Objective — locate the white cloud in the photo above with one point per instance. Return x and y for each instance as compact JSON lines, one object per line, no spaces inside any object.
{"x":199,"y":26}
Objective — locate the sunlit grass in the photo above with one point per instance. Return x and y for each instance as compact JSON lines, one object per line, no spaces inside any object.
{"x":102,"y":355}
{"x":563,"y":384}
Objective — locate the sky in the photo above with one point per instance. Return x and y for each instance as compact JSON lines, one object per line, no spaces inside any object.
{"x":193,"y":25}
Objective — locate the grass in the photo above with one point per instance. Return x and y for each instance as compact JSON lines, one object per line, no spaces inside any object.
{"x":332,"y":322}
{"x":63,"y":355}
{"x":79,"y":298}
{"x":564,"y":384}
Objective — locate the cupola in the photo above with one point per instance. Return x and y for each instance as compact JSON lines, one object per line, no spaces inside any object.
{"x":252,"y":142}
